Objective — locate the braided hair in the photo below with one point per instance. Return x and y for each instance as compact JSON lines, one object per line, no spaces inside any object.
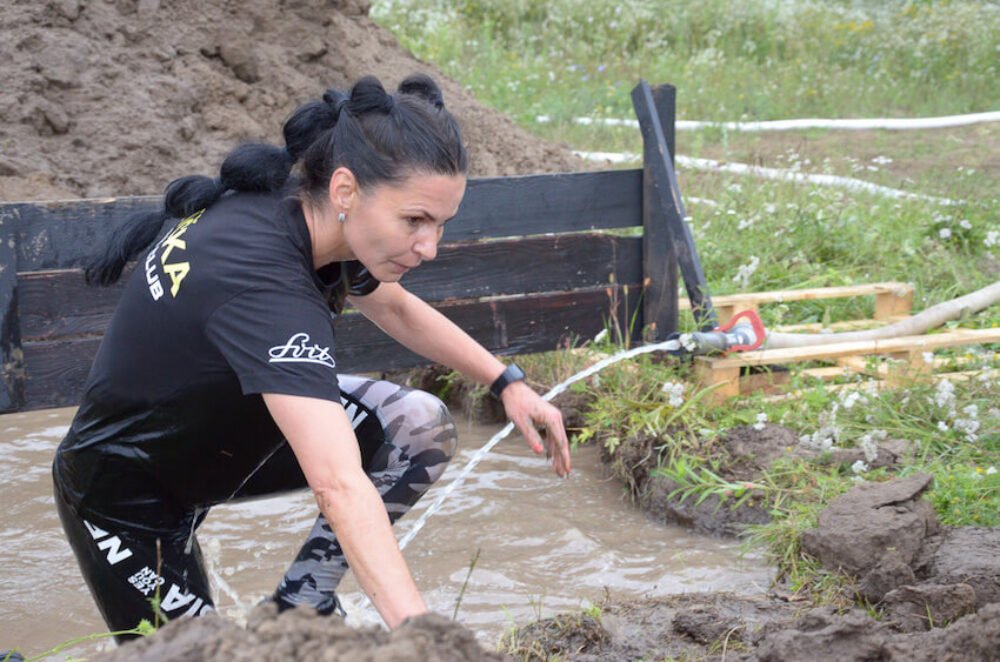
{"x":379,"y":136}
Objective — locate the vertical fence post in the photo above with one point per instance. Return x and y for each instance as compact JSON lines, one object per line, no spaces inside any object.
{"x":11,"y":357}
{"x":667,"y":240}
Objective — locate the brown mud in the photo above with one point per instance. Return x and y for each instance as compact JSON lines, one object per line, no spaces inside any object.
{"x":300,"y":635}
{"x":936,"y":590}
{"x":118,"y":97}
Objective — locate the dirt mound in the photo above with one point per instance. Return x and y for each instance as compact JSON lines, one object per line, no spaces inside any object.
{"x":300,"y":634}
{"x":937,"y":589}
{"x":887,"y":537}
{"x":721,"y":626}
{"x":118,"y":97}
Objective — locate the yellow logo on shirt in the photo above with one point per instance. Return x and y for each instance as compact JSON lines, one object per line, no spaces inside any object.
{"x":177,"y":270}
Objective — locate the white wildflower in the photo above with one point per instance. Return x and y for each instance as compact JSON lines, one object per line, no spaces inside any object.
{"x":965,"y":224}
{"x":942,"y":426}
{"x":992,"y":470}
{"x":823,"y":439}
{"x":675,"y":393}
{"x":850,"y":398}
{"x":992,"y":239}
{"x":969,"y":427}
{"x":869,"y":447}
{"x":745,"y":271}
{"x":761,"y":421}
{"x":944,"y":394}
{"x":859,"y":467}
{"x":944,"y":233}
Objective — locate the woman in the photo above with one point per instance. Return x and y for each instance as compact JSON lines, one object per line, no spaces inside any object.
{"x":217,"y":377}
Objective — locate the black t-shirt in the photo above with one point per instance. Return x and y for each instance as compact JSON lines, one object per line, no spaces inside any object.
{"x":225,"y":307}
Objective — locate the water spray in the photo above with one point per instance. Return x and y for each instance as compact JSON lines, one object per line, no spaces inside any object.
{"x":744,"y":332}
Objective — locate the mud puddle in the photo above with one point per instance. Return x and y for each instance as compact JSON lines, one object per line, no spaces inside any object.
{"x":544,"y":545}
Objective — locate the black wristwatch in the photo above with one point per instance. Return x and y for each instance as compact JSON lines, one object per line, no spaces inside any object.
{"x":511,"y":374}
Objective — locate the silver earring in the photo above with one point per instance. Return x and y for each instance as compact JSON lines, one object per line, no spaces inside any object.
{"x":341,"y":217}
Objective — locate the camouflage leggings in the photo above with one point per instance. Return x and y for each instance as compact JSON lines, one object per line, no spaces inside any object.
{"x":406,"y":438}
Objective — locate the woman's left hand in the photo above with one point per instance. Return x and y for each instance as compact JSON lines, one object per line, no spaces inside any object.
{"x":528,"y":411}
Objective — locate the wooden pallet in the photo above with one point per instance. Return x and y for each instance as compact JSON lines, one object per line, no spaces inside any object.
{"x":892,"y":361}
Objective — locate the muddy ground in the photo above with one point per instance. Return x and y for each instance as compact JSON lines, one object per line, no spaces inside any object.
{"x":299,"y":635}
{"x":118,"y":97}
{"x":936,"y":590}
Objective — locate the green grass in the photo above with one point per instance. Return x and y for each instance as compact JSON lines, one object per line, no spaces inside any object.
{"x":730,"y":59}
{"x":758,"y":61}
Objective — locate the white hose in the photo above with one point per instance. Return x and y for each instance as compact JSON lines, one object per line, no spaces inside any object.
{"x":922,"y":322}
{"x":867,"y":124}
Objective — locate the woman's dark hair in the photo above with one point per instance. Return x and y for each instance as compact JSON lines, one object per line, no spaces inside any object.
{"x":380,"y":137}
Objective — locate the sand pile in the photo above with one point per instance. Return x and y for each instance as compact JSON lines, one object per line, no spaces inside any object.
{"x":118,"y":97}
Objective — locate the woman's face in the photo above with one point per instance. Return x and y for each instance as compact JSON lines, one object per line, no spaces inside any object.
{"x":392,"y":228}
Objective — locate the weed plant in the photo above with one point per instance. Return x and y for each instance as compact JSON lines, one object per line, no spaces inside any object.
{"x":745,"y":60}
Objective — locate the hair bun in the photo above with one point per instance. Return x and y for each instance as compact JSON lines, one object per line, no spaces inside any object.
{"x":310,"y":120}
{"x":423,"y":86}
{"x":368,"y":95}
{"x":336,"y":100}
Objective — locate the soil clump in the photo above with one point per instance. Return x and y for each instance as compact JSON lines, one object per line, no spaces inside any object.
{"x":935,"y":589}
{"x":300,"y":634}
{"x":118,"y":97}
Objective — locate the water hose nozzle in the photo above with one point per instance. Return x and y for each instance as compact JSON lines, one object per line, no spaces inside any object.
{"x":744,"y":332}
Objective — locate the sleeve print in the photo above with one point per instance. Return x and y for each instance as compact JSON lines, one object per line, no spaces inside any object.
{"x":277,"y":342}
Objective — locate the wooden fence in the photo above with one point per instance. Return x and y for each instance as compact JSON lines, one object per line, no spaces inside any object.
{"x":529,"y":264}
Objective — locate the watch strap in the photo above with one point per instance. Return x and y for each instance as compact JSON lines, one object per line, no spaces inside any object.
{"x":511,"y":374}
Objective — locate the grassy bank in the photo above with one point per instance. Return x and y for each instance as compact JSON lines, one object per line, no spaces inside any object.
{"x":758,"y":61}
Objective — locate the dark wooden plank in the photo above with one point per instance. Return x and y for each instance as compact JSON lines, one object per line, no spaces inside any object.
{"x":536,"y":204}
{"x":63,"y":235}
{"x":509,"y":326}
{"x":11,"y":369}
{"x":57,"y":370}
{"x":665,"y":98}
{"x":527,"y":266}
{"x":56,"y":304}
{"x":661,"y":175}
{"x":659,"y":263}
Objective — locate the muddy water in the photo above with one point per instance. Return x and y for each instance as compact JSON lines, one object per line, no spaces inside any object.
{"x":544,"y":545}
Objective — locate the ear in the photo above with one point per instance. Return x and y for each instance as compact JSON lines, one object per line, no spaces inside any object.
{"x":343,"y":188}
